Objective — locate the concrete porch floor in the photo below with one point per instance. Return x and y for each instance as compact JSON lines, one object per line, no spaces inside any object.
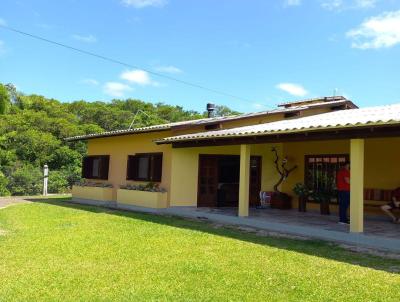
{"x":373,"y":225}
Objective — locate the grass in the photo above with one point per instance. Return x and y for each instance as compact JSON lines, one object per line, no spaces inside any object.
{"x":54,"y":251}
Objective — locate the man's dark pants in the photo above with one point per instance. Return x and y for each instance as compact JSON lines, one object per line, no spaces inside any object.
{"x":344,"y":203}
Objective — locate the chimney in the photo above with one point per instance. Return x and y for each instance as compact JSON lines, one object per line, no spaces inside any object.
{"x":210,"y":109}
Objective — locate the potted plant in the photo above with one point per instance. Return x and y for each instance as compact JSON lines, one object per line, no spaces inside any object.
{"x":323,"y":197}
{"x":302,"y":193}
{"x":280,"y":200}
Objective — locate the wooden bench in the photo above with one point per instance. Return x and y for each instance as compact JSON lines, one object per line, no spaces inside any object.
{"x":375,"y":198}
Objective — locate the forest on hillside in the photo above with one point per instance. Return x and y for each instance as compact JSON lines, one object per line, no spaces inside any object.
{"x":33,"y":129}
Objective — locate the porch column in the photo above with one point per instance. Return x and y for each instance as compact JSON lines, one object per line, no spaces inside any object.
{"x":357,"y":185}
{"x":244,"y":180}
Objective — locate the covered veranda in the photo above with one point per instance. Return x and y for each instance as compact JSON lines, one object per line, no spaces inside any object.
{"x":370,"y":137}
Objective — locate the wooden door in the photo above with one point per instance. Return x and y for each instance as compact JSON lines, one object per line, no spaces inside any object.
{"x":255,"y":180}
{"x":208,"y":181}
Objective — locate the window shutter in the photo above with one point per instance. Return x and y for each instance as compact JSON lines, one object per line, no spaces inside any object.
{"x":132,"y":169}
{"x":104,"y":166}
{"x":86,"y":167}
{"x":156,"y":173}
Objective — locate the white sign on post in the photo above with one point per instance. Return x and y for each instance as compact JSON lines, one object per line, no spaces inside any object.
{"x":45,"y":179}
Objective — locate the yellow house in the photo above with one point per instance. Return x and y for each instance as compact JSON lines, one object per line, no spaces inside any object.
{"x":227,"y":161}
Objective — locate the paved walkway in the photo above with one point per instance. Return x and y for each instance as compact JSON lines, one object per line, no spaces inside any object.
{"x":6,"y":201}
{"x":373,"y":225}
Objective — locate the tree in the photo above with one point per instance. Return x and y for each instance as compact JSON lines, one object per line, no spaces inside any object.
{"x":12,"y":92}
{"x":25,"y":180}
{"x":3,"y":185}
{"x":58,"y":182}
{"x":4,"y":99}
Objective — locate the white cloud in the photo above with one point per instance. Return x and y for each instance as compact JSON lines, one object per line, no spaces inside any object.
{"x":86,"y":39}
{"x":293,"y":89}
{"x":332,"y":4}
{"x":3,"y":22}
{"x":168,"y":69}
{"x":365,"y":3}
{"x":292,"y":2}
{"x":139,"y":77}
{"x":340,"y":5}
{"x":144,"y":3}
{"x":382,"y":31}
{"x":91,"y":82}
{"x":116,"y":89}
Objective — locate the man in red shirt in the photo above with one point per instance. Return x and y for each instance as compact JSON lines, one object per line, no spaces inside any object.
{"x":343,"y":187}
{"x":394,"y":204}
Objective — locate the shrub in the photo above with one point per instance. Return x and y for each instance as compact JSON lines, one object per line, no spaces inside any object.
{"x":58,"y":182}
{"x":3,"y":185}
{"x":25,"y":180}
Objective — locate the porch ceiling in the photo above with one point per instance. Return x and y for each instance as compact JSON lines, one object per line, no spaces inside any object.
{"x":381,"y":121}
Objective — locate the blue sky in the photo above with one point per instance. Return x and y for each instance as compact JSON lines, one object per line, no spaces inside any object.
{"x":263,"y":51}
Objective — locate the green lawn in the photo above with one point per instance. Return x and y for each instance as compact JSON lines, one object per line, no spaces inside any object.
{"x":55,"y":251}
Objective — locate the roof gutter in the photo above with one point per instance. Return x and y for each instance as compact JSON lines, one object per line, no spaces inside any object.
{"x":112,"y":134}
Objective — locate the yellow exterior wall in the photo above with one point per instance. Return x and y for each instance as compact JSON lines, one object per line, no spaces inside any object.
{"x":119,"y":147}
{"x":156,"y":200}
{"x":381,"y":169}
{"x":185,"y":163}
{"x":296,"y":152}
{"x":92,"y":193}
{"x":180,"y":166}
{"x":184,"y":176}
{"x":382,"y":165}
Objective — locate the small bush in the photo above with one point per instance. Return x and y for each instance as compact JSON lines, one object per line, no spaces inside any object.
{"x":3,"y":185}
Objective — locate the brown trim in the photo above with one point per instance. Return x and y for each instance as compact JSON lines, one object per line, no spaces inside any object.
{"x":326,"y":134}
{"x":292,"y":114}
{"x":215,"y":126}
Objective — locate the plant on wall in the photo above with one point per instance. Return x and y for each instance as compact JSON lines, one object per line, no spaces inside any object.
{"x":283,"y":171}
